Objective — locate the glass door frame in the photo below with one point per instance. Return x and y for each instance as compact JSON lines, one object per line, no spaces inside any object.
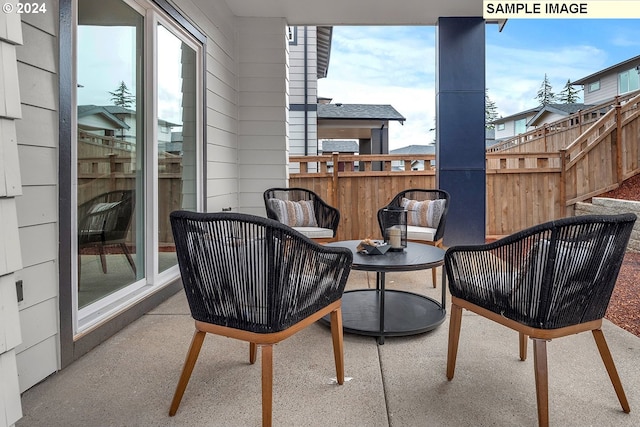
{"x":86,"y":318}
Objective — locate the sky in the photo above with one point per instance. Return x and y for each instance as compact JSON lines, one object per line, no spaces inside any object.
{"x":396,"y":66}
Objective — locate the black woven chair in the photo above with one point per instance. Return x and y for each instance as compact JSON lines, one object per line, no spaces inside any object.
{"x":323,"y":225}
{"x":254,"y":279}
{"x":104,"y":221}
{"x":432,"y":236}
{"x":545,"y":282}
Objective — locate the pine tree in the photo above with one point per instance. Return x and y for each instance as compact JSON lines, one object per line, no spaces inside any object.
{"x":545,"y":94}
{"x":121,"y":96}
{"x":569,"y":94}
{"x":490,"y":111}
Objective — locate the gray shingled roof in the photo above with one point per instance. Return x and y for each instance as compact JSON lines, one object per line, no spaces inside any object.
{"x":564,"y":109}
{"x":358,"y":111}
{"x":339,"y":146}
{"x":415,"y":149}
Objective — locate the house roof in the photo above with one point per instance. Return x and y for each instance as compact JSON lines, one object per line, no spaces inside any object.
{"x":340,"y":111}
{"x":340,"y":146}
{"x":562,"y":109}
{"x":90,"y":110}
{"x":631,"y":61}
{"x":323,"y":50}
{"x":519,"y":115}
{"x":415,"y":149}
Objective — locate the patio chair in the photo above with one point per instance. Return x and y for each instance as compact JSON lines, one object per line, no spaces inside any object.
{"x":303,"y":210}
{"x":104,"y":221}
{"x":545,"y":282}
{"x":426,"y":218}
{"x":256,"y":280}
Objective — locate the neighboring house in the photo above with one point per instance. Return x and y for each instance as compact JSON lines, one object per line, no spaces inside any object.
{"x":510,"y":126}
{"x":554,"y":112}
{"x":604,"y":85}
{"x":338,"y":146}
{"x":119,"y":122}
{"x":368,"y":123}
{"x":341,"y":147}
{"x":309,"y":52}
{"x":416,"y":165}
{"x":227,"y":65}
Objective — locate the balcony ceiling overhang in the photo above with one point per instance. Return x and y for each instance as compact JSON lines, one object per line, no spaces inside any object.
{"x":355,"y":12}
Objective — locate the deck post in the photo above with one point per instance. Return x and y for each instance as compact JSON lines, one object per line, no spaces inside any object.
{"x":460,"y":126}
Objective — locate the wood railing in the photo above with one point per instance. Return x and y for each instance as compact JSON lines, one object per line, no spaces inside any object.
{"x":559,"y":134}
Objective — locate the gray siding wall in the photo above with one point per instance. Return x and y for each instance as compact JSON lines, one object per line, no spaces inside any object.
{"x":297,"y":132}
{"x":37,"y":207}
{"x":10,"y":190}
{"x":221,"y":97}
{"x":246,"y":151}
{"x":263,"y":150}
{"x":608,"y":90}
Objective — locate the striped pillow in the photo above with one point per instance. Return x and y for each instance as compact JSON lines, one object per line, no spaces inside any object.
{"x":294,"y":214}
{"x":424,"y":214}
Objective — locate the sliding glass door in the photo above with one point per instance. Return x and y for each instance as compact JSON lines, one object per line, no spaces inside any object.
{"x":139,"y":112}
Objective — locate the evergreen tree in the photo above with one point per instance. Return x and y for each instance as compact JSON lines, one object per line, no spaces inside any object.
{"x":490,"y":111}
{"x":569,"y":94}
{"x":545,"y":94}
{"x":121,"y":96}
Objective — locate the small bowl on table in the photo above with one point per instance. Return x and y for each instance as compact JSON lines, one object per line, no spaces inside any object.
{"x":380,"y":249}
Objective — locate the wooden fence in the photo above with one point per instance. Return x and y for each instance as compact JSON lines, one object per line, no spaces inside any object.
{"x":523,"y":188}
{"x":357,"y":189}
{"x":104,"y":164}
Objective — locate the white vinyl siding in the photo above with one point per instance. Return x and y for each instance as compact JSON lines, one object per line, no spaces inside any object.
{"x":10,"y":246}
{"x":263,"y":128}
{"x":608,"y":89}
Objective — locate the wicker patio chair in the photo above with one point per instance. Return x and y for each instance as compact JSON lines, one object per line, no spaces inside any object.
{"x":303,"y":210}
{"x":104,"y":221}
{"x":545,"y":282}
{"x":256,"y":280}
{"x":425,"y":221}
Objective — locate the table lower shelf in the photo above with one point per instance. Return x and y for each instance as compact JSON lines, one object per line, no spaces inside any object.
{"x":405,"y":313}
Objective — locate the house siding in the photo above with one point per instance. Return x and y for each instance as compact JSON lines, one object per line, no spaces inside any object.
{"x":263,"y":128}
{"x":11,"y":335}
{"x":221,"y":99}
{"x":608,"y":89}
{"x":303,"y":131}
{"x":37,"y":357}
{"x":509,"y":130}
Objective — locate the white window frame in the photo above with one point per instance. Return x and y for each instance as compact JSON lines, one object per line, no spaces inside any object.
{"x":95,"y":313}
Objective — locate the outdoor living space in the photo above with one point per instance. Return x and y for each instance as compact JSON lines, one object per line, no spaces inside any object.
{"x":130,"y":378}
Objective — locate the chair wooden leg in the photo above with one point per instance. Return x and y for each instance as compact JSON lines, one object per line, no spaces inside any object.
{"x":523,"y":346}
{"x":338,"y":343}
{"x":126,"y":252}
{"x":187,"y":369}
{"x":603,"y":348}
{"x":542,"y":380}
{"x":103,"y":259}
{"x":455,"y":321}
{"x":433,"y":276}
{"x":267,"y":384}
{"x":253,"y":352}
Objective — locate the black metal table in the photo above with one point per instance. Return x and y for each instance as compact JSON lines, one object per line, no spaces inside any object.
{"x":384,"y":312}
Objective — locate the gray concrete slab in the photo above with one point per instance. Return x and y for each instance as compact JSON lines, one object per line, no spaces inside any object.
{"x":129,"y":380}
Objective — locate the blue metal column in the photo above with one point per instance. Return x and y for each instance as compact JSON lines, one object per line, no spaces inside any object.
{"x":460,"y":138}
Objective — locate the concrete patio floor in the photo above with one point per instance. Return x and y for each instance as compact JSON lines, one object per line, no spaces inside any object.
{"x":129,"y":380}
